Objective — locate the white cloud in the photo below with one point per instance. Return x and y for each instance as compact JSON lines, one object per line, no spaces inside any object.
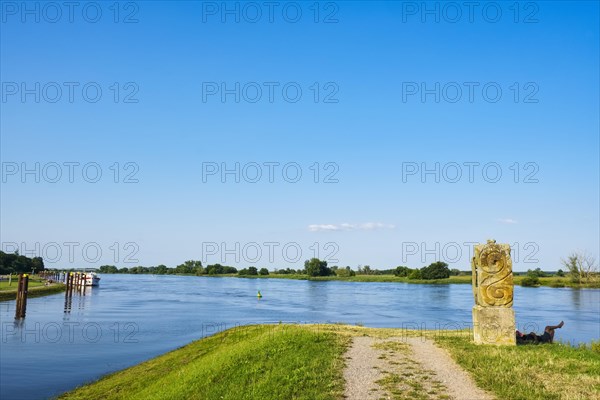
{"x":322,"y":227}
{"x":507,"y":220}
{"x":367,"y":226}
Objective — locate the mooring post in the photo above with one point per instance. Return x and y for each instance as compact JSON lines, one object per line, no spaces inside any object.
{"x":22,"y":288}
{"x":19,"y":298}
{"x":25,"y":291}
{"x":70,"y":282}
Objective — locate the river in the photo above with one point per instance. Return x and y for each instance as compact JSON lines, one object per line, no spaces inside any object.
{"x":131,"y":318}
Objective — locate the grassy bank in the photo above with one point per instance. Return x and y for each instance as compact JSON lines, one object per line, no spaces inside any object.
{"x":255,"y":362}
{"x":35,"y":290}
{"x":306,"y":362}
{"x":15,"y":281}
{"x":549,"y":371}
{"x":461,"y":279}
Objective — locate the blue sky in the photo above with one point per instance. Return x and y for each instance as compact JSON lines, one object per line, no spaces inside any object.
{"x":366,"y":127}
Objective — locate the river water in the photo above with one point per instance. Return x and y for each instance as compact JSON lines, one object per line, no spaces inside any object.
{"x":131,"y":318}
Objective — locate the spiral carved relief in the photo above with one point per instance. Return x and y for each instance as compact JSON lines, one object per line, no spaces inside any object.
{"x":492,"y":275}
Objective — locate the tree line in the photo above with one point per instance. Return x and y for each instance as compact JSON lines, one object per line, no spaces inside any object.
{"x":580,"y":267}
{"x":18,"y":264}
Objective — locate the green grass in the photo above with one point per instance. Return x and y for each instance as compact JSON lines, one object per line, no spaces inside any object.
{"x":4,"y":284}
{"x":35,"y":289}
{"x":529,"y":372}
{"x":253,"y":362}
{"x":306,"y":362}
{"x":363,"y":278}
{"x":554,"y":281}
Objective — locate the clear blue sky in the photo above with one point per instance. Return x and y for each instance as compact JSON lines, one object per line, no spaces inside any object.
{"x":371,"y":57}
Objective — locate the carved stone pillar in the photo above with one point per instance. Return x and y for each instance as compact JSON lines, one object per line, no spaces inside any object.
{"x":493,"y":315}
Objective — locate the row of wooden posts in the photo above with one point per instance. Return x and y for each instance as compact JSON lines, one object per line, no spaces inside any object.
{"x":73,"y":281}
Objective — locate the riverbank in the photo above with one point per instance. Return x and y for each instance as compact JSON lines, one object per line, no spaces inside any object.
{"x":308,"y":361}
{"x":554,"y":281}
{"x":35,"y":290}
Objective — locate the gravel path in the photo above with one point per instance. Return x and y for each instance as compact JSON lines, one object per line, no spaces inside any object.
{"x":405,"y":368}
{"x":363,"y":368}
{"x":459,"y":384}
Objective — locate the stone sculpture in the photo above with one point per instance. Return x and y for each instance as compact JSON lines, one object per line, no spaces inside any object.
{"x":493,"y":315}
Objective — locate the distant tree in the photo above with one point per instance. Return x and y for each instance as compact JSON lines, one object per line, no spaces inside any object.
{"x":286,"y":271}
{"x":344,"y":272}
{"x":188,"y":267}
{"x":402,"y":271}
{"x":108,"y":269}
{"x":316,"y":267}
{"x":17,"y":264}
{"x":582,"y":267}
{"x":124,"y":270}
{"x":454,"y":272}
{"x":161,"y":269}
{"x":436,"y":270}
{"x":560,"y":272}
{"x":252,"y":271}
{"x":537,"y":273}
{"x":263,"y":271}
{"x":37,"y":263}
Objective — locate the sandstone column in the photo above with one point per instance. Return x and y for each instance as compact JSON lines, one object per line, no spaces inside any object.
{"x":493,"y":315}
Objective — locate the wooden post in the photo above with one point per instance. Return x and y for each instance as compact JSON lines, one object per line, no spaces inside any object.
{"x":19,"y":298}
{"x":22,"y":289}
{"x":25,"y":291}
{"x":70,"y":282}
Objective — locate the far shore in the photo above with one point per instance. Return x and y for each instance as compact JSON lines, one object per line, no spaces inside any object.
{"x":552,"y":281}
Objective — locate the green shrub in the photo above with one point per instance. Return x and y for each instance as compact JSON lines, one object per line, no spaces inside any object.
{"x":557,"y":283}
{"x":263,"y":271}
{"x":415,"y":274}
{"x":530,"y":281}
{"x":402,"y":271}
{"x":345,"y":272}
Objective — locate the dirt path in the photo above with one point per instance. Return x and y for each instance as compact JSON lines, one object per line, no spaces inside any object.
{"x":363,"y":369}
{"x":405,"y":368}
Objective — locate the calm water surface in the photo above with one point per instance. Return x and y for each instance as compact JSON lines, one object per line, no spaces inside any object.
{"x":131,"y":318}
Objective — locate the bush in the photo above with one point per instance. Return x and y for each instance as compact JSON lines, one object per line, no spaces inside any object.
{"x":249,"y":271}
{"x":345,"y":272}
{"x":402,"y":271}
{"x":415,"y":274}
{"x":557,"y":283}
{"x":537,"y":273}
{"x":530,"y":281}
{"x":263,"y":271}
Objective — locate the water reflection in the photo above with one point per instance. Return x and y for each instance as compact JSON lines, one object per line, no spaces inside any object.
{"x":576,"y":298}
{"x":82,"y":294}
